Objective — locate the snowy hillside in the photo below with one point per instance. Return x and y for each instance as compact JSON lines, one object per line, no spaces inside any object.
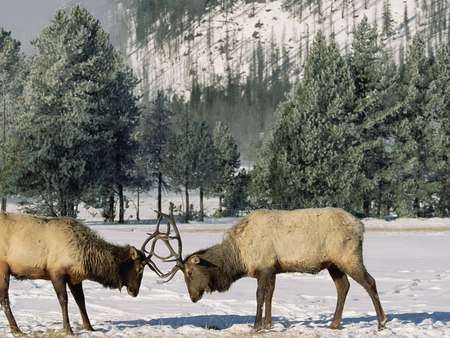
{"x":225,"y":40}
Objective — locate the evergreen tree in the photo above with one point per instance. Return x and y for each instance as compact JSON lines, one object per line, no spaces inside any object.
{"x":439,"y":106}
{"x":412,"y":129}
{"x":79,"y":111}
{"x":121,"y":117}
{"x":207,"y":171}
{"x":310,"y":159}
{"x":155,"y":135}
{"x":372,"y":73}
{"x":11,"y":62}
{"x":387,"y":21}
{"x":189,"y":160}
{"x":236,"y":197}
{"x":227,"y":157}
{"x":406,"y":23}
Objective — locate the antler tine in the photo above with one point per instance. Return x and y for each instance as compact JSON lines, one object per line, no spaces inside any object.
{"x":165,"y":237}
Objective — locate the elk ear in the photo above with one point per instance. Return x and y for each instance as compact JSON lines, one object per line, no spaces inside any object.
{"x":134,"y":253}
{"x":194,"y":260}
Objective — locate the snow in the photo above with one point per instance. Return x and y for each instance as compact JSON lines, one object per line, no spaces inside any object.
{"x":226,"y":40}
{"x":407,"y":257}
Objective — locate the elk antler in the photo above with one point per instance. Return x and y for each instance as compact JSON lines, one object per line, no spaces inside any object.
{"x":165,"y":237}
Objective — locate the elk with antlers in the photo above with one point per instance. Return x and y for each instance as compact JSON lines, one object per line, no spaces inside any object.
{"x":66,"y":252}
{"x":266,"y":243}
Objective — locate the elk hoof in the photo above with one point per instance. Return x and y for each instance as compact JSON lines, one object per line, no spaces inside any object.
{"x":382,"y":325}
{"x":255,"y":329}
{"x":334,"y":326}
{"x":68,"y":331}
{"x":266,"y":326}
{"x":16,"y":331}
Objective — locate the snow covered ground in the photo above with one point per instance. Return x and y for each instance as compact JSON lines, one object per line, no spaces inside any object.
{"x":410,"y":260}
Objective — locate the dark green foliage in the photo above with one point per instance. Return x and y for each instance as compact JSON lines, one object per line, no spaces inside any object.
{"x":190,"y":159}
{"x":412,"y":130}
{"x":73,"y":134}
{"x":227,"y":158}
{"x":439,"y":146}
{"x":11,"y":66}
{"x":387,"y":21}
{"x":156,"y":131}
{"x":376,"y":144}
{"x":235,"y":198}
{"x":372,"y":73}
{"x":356,"y":132}
{"x":310,"y":160}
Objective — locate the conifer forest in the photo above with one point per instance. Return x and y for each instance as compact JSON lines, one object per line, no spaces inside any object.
{"x":356,"y":118}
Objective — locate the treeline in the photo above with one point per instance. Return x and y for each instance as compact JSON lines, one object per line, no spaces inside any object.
{"x":74,"y":131}
{"x":361,"y":133}
{"x":357,"y":131}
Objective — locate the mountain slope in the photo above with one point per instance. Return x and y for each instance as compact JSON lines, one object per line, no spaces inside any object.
{"x":225,"y":39}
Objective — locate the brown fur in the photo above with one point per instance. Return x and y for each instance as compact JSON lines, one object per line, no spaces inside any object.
{"x":65,"y":251}
{"x":265,"y":243}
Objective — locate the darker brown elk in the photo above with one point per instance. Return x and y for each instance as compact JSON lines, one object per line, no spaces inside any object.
{"x":66,"y":252}
{"x":266,"y":243}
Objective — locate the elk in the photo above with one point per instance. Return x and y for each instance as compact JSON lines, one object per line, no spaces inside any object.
{"x":66,"y":252}
{"x":266,"y":243}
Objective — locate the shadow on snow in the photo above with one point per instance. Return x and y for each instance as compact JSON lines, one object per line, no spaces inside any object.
{"x":221,"y":322}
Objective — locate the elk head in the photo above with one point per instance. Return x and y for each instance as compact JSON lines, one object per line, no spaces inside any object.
{"x":166,"y":238}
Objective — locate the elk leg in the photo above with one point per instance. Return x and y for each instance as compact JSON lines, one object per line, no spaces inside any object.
{"x":342,"y":286}
{"x":268,"y":302}
{"x":59,"y":284}
{"x":78,"y":295}
{"x":262,"y":293}
{"x":361,"y":276}
{"x":4,"y":298}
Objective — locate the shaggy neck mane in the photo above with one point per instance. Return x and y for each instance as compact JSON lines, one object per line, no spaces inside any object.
{"x":229,"y":268}
{"x":102,"y":262}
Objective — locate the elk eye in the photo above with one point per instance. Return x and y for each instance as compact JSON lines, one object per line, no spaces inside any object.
{"x":190,"y":273}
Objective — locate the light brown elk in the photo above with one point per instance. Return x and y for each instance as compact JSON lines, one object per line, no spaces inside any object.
{"x":266,"y":243}
{"x":66,"y":252}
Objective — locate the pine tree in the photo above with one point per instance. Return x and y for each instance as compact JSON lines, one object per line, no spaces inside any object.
{"x":386,"y":27}
{"x":11,"y":63}
{"x":372,"y":73}
{"x":121,"y":117}
{"x":207,"y":171}
{"x":310,"y":160}
{"x":227,"y":157}
{"x":412,"y":129}
{"x":439,"y":106}
{"x":189,"y":160}
{"x":406,"y":23}
{"x":77,"y":118}
{"x":155,"y":135}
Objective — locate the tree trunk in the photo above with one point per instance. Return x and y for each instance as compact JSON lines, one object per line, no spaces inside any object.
{"x":366,"y":207}
{"x":416,"y":207}
{"x":379,"y":204}
{"x":110,"y":209}
{"x":442,"y":202}
{"x":121,"y":205}
{"x":220,"y":204}
{"x":62,"y":204}
{"x":160,"y":182}
{"x":201,"y":216}
{"x":138,"y":218}
{"x":186,"y":214}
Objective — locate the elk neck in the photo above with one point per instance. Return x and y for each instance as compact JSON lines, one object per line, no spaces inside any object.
{"x":230,"y":268}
